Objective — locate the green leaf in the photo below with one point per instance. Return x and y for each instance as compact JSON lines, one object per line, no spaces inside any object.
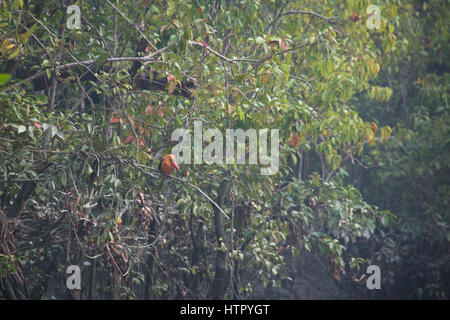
{"x":24,"y":37}
{"x":4,"y":77}
{"x":14,"y":54}
{"x":171,"y":10}
{"x":53,"y":130}
{"x":49,"y":73}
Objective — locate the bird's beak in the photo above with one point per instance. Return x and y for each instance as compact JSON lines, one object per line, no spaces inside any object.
{"x":175,"y":166}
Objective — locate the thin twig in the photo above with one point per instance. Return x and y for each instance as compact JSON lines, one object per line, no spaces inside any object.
{"x":311,"y":13}
{"x":214,"y":52}
{"x":235,"y":60}
{"x":131,"y":23}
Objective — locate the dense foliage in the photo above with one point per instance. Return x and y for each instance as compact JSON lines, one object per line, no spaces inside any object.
{"x":88,"y":113}
{"x":410,"y":174}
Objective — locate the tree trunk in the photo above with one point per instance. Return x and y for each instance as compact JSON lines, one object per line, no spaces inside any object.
{"x":221,"y":277}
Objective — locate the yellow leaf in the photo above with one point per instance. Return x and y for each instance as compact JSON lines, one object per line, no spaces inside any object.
{"x":377,"y":67}
{"x":5,"y":44}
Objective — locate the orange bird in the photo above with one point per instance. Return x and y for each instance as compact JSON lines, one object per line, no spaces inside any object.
{"x":167,"y":164}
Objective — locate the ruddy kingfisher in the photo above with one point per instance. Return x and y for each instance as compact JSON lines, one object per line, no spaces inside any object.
{"x":168,"y":164}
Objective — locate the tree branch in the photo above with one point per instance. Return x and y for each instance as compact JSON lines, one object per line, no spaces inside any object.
{"x":310,"y":13}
